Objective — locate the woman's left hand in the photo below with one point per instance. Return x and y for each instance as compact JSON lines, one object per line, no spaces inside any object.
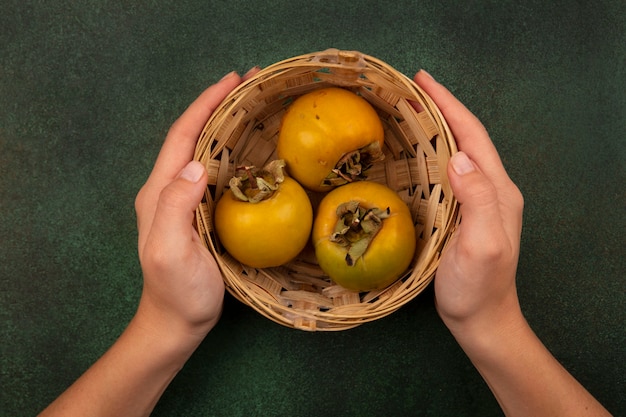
{"x":183,"y":289}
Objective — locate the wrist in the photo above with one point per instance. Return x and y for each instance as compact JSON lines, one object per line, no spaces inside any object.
{"x":523,"y":375}
{"x":175,"y":336}
{"x":482,"y":334}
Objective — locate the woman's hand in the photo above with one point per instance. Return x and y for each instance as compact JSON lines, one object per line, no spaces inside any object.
{"x":475,"y":281}
{"x":475,"y":287}
{"x":183,"y":289}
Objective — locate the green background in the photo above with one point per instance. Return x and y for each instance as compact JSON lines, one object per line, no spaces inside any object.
{"x":89,"y":88}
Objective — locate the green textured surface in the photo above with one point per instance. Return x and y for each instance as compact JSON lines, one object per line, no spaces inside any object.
{"x":88,"y":90}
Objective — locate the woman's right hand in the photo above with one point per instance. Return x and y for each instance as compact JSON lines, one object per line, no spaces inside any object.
{"x":475,"y":288}
{"x":475,"y":281}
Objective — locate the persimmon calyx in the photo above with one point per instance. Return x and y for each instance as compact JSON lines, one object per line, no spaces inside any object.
{"x":254,"y":185}
{"x":352,"y":166}
{"x":356,"y":228}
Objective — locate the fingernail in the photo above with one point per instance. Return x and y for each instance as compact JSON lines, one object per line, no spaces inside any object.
{"x":426,"y":73}
{"x":230,"y":74}
{"x":461,"y":163}
{"x":192,"y":172}
{"x":251,"y":70}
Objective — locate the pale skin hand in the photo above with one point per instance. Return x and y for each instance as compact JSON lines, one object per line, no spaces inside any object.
{"x":183,"y":290}
{"x":475,"y":283}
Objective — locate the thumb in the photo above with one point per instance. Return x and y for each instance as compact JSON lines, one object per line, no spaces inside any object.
{"x":480,"y":209}
{"x":177,"y":202}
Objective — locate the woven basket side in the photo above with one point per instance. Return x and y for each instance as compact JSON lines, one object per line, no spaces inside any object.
{"x":243,"y":130}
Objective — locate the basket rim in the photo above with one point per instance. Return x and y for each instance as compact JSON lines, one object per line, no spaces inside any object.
{"x":365,"y":65}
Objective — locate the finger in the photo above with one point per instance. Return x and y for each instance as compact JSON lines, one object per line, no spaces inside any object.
{"x":251,"y":73}
{"x":172,"y":224}
{"x":185,"y":132}
{"x":482,"y":223}
{"x":179,"y":146}
{"x":181,"y":139}
{"x":469,"y":133}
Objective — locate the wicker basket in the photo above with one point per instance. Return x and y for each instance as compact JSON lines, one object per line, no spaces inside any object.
{"x":418,"y":145}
